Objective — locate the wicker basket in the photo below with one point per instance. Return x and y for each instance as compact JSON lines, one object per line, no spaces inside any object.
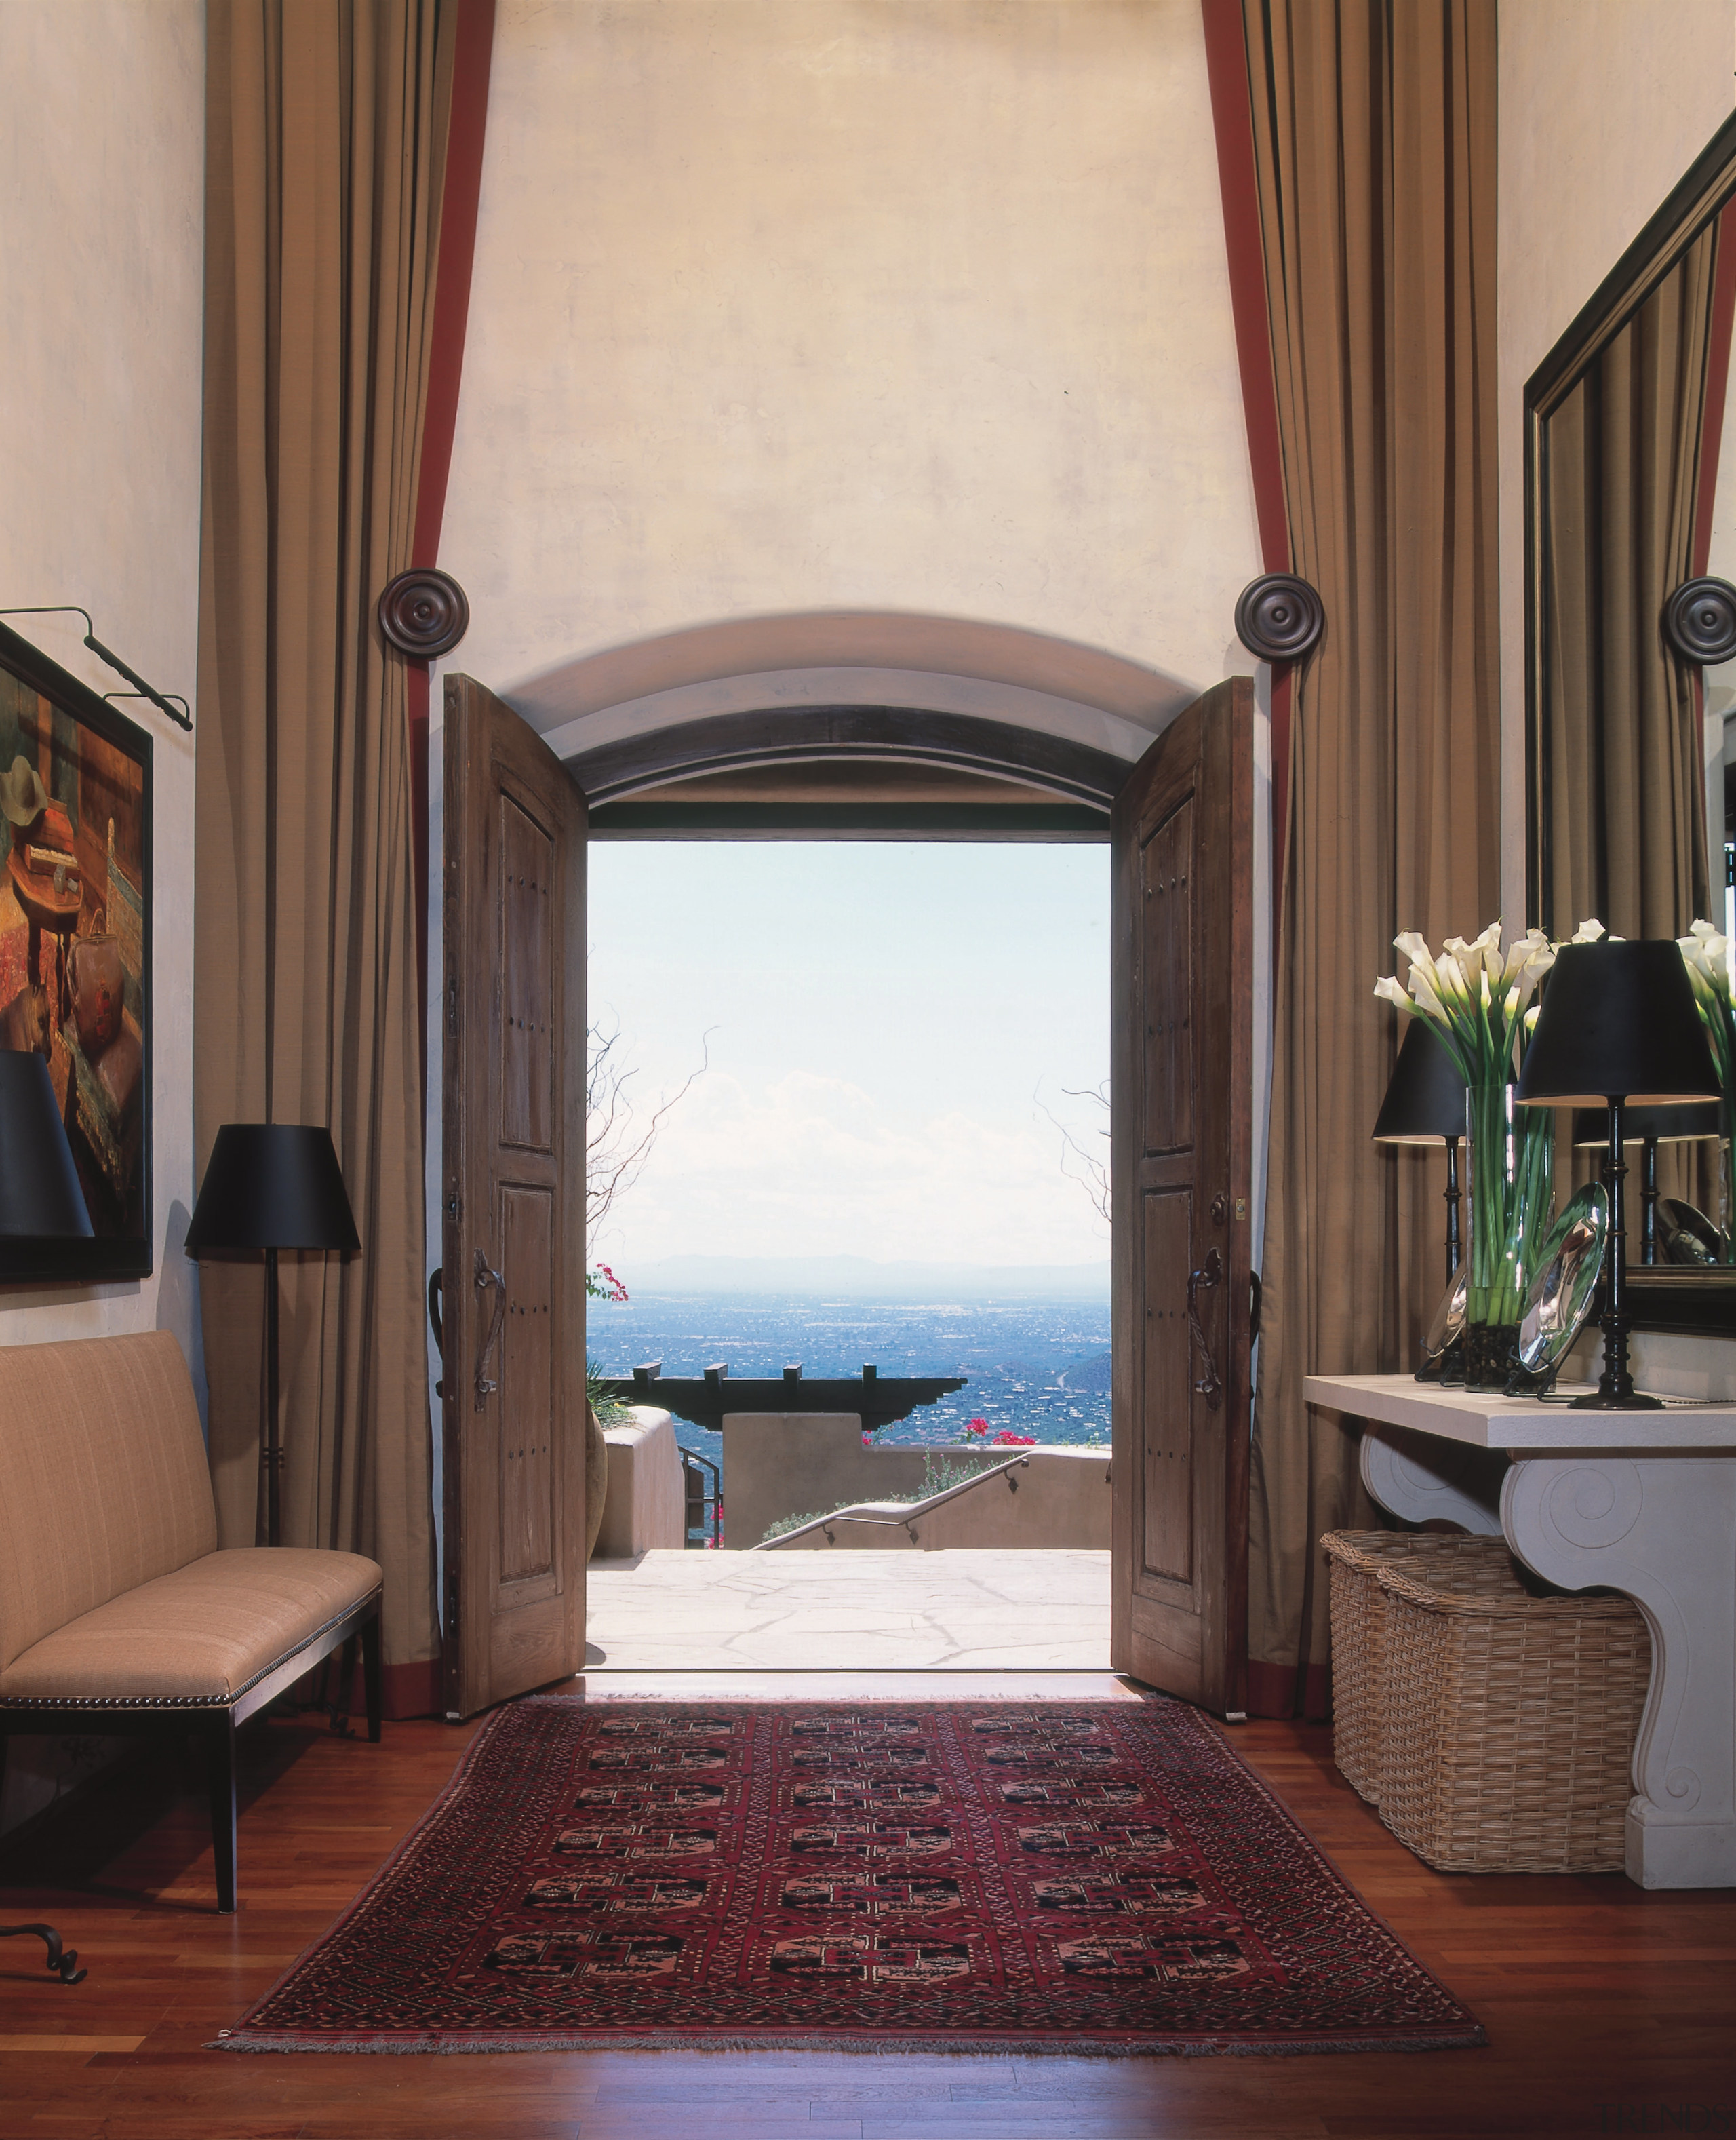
{"x":1510,"y":1719}
{"x":1359,"y":1632}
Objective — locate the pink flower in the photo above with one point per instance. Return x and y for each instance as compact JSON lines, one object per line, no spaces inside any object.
{"x":1006,"y":1439}
{"x":975,"y":1427}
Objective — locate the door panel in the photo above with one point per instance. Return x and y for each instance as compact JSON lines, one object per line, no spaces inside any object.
{"x":1182,"y":836}
{"x":513,"y":1194}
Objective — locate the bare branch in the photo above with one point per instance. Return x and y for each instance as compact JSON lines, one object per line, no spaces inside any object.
{"x":618,"y":1138}
{"x":1089,"y":1169}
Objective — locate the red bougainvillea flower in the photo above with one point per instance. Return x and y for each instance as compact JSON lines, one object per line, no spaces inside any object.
{"x":1006,"y":1439}
{"x":974,"y":1427}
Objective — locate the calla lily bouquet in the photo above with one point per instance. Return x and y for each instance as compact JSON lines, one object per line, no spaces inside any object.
{"x":1475,"y":995}
{"x":1706,"y":954}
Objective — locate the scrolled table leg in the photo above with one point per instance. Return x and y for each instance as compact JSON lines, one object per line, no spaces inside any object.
{"x":1660,"y":1526}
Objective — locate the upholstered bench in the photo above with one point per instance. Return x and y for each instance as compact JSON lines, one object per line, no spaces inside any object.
{"x":117,"y":1611}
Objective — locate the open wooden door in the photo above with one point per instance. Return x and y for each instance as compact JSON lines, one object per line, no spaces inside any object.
{"x":513,"y":1194}
{"x":1181,"y":989}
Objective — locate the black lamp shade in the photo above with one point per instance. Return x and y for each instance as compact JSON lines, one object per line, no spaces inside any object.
{"x":1426,"y":1100}
{"x":1618,"y":1022}
{"x":1689,"y":1124}
{"x":39,"y":1193}
{"x":271,"y":1185}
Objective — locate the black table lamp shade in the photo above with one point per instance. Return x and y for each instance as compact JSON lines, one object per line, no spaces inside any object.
{"x":271,"y":1185}
{"x":1618,"y":1021}
{"x":1618,"y":1024}
{"x":39,"y":1191}
{"x":1425,"y":1099}
{"x":1690,"y":1123}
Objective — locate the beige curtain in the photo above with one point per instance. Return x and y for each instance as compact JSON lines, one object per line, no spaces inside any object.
{"x":1626,"y":803}
{"x":325,"y":126}
{"x":1375,"y":150}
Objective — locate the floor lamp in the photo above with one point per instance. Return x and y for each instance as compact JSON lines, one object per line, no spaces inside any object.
{"x":1424,"y":1105}
{"x":271,"y":1185}
{"x":39,"y":1201}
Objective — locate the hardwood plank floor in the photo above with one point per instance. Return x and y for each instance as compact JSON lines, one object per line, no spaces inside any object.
{"x":1609,"y":2009}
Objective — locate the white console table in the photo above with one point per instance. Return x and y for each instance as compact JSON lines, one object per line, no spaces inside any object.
{"x":1642,"y":1502}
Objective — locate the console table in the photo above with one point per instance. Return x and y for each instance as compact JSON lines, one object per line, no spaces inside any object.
{"x":1642,"y":1502}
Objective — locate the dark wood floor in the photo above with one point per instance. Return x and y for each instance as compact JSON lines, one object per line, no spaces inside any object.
{"x":1609,"y":2011}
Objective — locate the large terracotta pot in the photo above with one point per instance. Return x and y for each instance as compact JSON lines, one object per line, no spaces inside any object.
{"x":99,"y":986}
{"x":597,"y":1479}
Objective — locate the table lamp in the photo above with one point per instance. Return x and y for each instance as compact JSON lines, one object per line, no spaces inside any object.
{"x":1653,"y":1126}
{"x":1424,"y":1103}
{"x":271,"y":1185}
{"x":1617,"y":1026}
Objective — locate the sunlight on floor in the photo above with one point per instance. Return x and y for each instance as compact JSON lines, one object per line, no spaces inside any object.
{"x":850,"y":1611}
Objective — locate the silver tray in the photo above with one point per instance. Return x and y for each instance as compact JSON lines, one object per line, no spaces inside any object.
{"x":1448,"y":1323}
{"x":1570,"y":1258}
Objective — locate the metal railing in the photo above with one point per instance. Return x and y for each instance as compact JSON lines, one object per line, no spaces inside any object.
{"x":893,"y":1515}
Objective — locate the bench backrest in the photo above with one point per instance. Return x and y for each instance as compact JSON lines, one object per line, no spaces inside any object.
{"x":103,"y":1479}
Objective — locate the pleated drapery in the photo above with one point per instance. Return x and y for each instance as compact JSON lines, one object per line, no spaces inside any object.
{"x":326,"y":143}
{"x":1626,"y":783}
{"x":1373,"y":126}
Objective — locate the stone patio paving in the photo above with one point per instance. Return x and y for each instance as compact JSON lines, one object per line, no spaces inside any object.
{"x":858,"y":1610}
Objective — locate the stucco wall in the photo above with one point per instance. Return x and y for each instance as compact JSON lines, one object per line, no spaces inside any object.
{"x":1603,"y":105}
{"x":101,"y":171}
{"x":794,"y":305}
{"x":102,"y":176}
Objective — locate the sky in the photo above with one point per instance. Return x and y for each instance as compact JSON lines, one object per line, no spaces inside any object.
{"x":881,"y":1021}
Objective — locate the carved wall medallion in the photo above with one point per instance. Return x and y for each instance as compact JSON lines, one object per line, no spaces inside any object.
{"x":424,"y":613}
{"x":1280,"y":617}
{"x":1700,"y":621}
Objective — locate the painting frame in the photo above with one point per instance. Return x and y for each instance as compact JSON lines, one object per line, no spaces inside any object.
{"x":112,"y":1138}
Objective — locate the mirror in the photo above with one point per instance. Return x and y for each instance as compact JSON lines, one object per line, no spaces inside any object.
{"x":1626,"y":745}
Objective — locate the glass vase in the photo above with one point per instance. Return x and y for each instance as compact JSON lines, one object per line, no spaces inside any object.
{"x":1726,"y":1212}
{"x":1512,"y":1183}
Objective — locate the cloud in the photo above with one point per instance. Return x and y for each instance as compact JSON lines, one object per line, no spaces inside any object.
{"x":816,"y":1165}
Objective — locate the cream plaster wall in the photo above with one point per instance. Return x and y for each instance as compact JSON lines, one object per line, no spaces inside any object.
{"x":1603,"y":105}
{"x":783,"y":306}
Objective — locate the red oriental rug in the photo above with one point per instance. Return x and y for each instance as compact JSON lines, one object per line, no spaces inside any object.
{"x":915,"y":1876}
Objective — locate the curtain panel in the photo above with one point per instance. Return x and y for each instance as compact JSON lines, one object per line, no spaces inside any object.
{"x":325,"y":144}
{"x":1374,"y":130}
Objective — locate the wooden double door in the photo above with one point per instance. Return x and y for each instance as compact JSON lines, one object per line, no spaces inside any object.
{"x":512,"y":1192}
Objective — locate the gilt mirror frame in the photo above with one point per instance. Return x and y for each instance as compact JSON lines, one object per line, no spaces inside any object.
{"x":1682,"y":1299}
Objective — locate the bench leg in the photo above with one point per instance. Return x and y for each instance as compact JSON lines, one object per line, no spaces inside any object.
{"x":220,"y":1767}
{"x":370,"y":1674}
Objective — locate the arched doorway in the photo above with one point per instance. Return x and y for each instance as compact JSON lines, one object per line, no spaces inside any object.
{"x":682,"y":738}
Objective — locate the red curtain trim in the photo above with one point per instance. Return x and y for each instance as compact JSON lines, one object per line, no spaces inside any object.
{"x":1226,"y":60}
{"x":1286,"y":1690}
{"x":466,"y":130}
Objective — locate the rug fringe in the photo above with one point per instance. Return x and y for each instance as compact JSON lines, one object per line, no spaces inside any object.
{"x":684,"y":2039}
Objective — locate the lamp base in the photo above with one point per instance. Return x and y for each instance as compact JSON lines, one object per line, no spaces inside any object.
{"x":1615,"y":1400}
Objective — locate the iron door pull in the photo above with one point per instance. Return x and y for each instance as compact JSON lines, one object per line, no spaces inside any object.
{"x":484,"y":1279}
{"x":436,"y":1286}
{"x":1202,"y":1281}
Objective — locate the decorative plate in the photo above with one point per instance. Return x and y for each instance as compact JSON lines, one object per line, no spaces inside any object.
{"x":1569,"y":1260}
{"x":1685,"y":1235}
{"x":1449,"y":1322}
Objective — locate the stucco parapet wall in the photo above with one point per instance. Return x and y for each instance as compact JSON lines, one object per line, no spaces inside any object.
{"x":645,"y":1508}
{"x":786,"y":1463}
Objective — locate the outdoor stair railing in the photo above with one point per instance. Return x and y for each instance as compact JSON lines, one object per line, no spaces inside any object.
{"x":890,"y":1515}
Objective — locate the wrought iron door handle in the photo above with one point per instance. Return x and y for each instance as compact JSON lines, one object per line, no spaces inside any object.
{"x":1200,"y":1281}
{"x":436,"y":1288}
{"x":484,"y":1279}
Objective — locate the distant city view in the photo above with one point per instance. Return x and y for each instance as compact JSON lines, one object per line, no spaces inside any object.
{"x":1038,"y":1368}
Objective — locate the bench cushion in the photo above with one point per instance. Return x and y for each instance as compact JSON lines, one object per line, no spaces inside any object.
{"x":200,"y":1636}
{"x":103,"y":1479}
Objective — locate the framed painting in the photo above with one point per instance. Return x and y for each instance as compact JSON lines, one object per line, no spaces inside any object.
{"x":75,"y":947}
